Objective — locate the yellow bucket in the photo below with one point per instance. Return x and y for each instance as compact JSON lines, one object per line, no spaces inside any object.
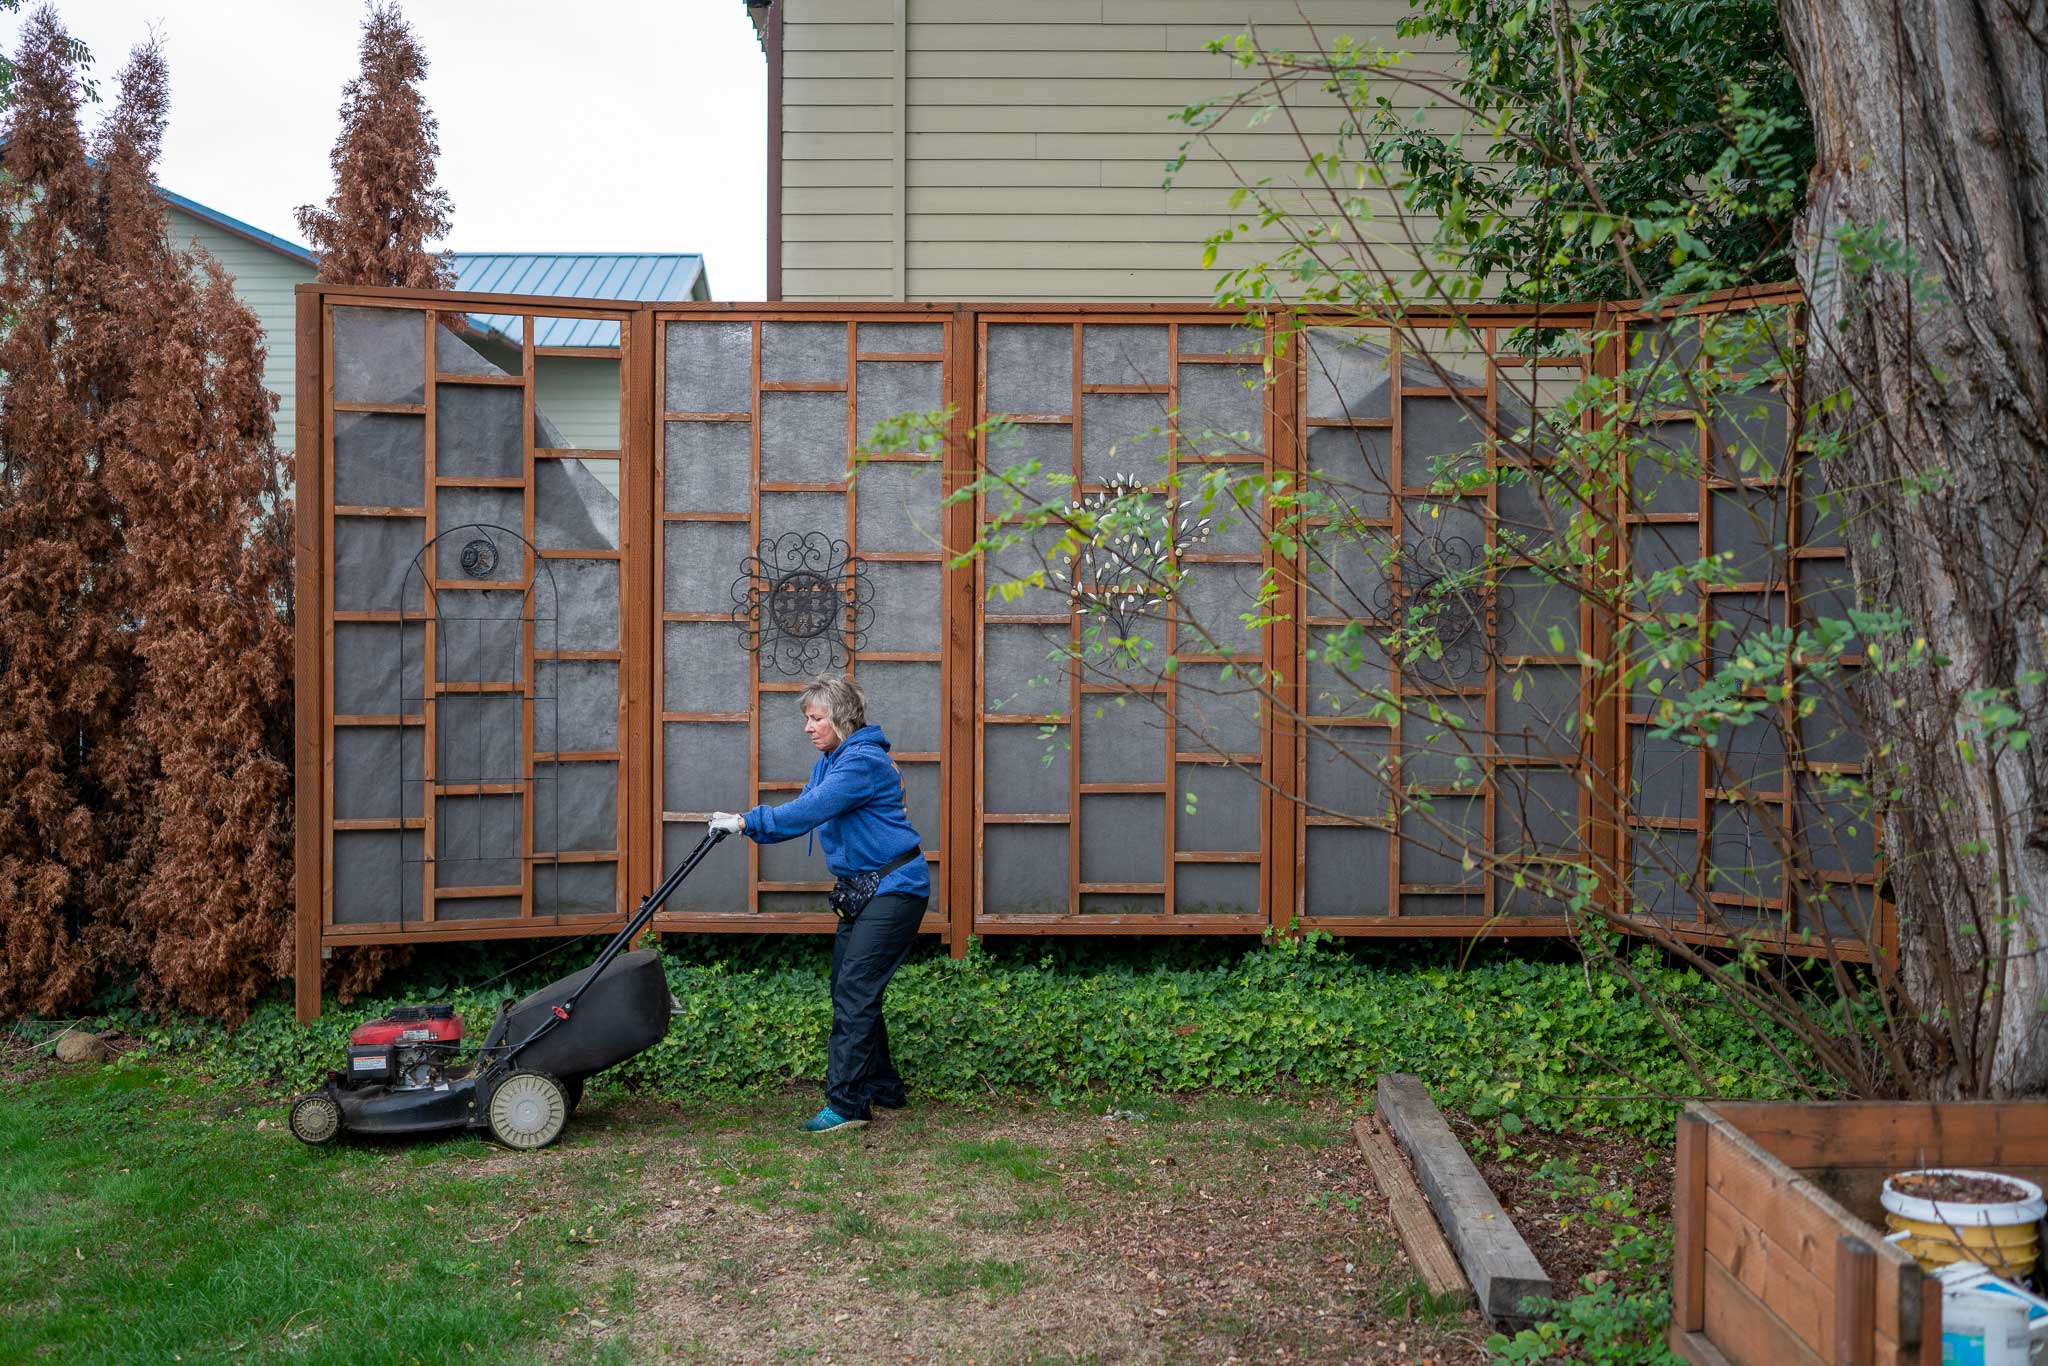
{"x":2003,"y":1236}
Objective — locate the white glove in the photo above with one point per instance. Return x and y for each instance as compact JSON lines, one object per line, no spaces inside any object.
{"x":726,"y":823}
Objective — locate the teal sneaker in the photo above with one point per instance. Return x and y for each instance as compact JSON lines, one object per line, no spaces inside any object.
{"x":829,"y":1121}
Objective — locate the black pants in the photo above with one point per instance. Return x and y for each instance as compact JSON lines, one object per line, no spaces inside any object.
{"x":865,"y":954}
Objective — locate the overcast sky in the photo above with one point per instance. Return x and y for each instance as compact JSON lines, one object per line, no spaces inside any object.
{"x":595,"y":125}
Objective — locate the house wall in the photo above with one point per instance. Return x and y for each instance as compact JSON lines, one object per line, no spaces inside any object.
{"x":264,"y":280}
{"x":974,"y":149}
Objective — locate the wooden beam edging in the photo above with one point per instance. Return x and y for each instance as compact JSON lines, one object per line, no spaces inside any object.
{"x":1503,"y":1271}
{"x":1421,"y":1239}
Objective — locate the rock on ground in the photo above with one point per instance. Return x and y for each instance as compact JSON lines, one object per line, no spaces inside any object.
{"x":75,"y":1045}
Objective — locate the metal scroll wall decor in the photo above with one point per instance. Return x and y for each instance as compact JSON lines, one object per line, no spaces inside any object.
{"x":1441,"y":603}
{"x":803,"y":603}
{"x":1126,"y":570}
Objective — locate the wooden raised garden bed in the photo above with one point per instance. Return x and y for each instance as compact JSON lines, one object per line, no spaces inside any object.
{"x":1779,"y":1253}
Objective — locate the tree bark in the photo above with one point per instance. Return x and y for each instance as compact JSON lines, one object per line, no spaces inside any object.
{"x":1931,"y":118}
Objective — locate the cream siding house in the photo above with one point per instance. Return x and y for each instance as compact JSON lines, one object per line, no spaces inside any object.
{"x":982,"y":150}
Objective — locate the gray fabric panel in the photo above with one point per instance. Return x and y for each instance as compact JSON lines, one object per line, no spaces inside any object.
{"x":1426,"y":518}
{"x":1216,"y":889}
{"x":709,"y":467}
{"x":1030,"y":369}
{"x":896,"y":507}
{"x":1348,"y":373}
{"x":1222,"y":409}
{"x":1537,"y":710}
{"x":1751,"y":757}
{"x":803,"y":353}
{"x":1655,"y":548}
{"x":478,"y":635}
{"x":1215,"y":713}
{"x":373,"y":562}
{"x":1008,"y":586}
{"x":377,"y":775}
{"x":476,"y":841}
{"x":803,"y":513}
{"x":902,"y":337}
{"x":1215,"y":807}
{"x":580,"y":698}
{"x":380,"y":460}
{"x":1215,"y":598}
{"x":476,"y":431}
{"x":1051,"y":445}
{"x":1348,"y":772}
{"x":786,"y":752}
{"x":1346,"y":677}
{"x":1664,"y":777}
{"x":1135,"y":653}
{"x":1661,"y":878}
{"x":719,"y":884}
{"x":1024,"y":770}
{"x":1122,"y":903}
{"x":1347,"y":870}
{"x":1820,"y":512}
{"x":380,"y":355}
{"x":1535,"y":509}
{"x":1749,"y":434}
{"x":1114,"y":353}
{"x":1222,"y":339}
{"x":1749,"y":527}
{"x":575,"y":807}
{"x":1434,"y":842}
{"x":709,"y":367}
{"x":1123,"y":434}
{"x":493,"y":516}
{"x":583,"y":597}
{"x":704,"y":767}
{"x":1346,"y":567}
{"x":1434,"y":740}
{"x":1665,"y":474}
{"x":1836,"y":830}
{"x":796,"y":903}
{"x":1123,"y":839}
{"x":905,"y":701}
{"x":575,"y":888}
{"x":377,"y":876}
{"x":1438,"y":436}
{"x":454,"y":354}
{"x":1025,"y":670}
{"x":478,"y":908}
{"x":477,"y":738}
{"x":1461,"y":907}
{"x":797,"y":860}
{"x":1236,"y":515}
{"x":1744,"y":857}
{"x":886,"y":389}
{"x":921,"y":803}
{"x":1535,"y":811}
{"x":1826,"y":592}
{"x":372,"y":675}
{"x":704,"y":667}
{"x":1846,"y":911}
{"x":906,"y":605}
{"x":1740,"y":616}
{"x":573,"y":509}
{"x":1830,"y":734}
{"x":803,"y":438}
{"x":1122,"y":741}
{"x":1661,"y":352}
{"x":1353,"y":467}
{"x":700,"y":563}
{"x":1540,"y":605}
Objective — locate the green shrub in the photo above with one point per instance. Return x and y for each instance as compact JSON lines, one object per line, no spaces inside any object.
{"x":1548,"y":1042}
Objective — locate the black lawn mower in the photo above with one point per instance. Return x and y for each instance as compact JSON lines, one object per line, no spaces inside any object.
{"x":403,"y":1076}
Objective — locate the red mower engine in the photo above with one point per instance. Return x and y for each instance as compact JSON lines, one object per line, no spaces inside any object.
{"x":408,"y":1050}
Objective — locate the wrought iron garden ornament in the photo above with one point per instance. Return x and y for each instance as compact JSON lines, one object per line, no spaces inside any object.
{"x":1441,"y":602}
{"x":1128,"y":567}
{"x":803,"y":603}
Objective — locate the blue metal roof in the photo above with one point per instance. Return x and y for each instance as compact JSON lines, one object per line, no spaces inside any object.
{"x":630,"y":276}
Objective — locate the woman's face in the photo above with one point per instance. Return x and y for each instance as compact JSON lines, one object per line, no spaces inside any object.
{"x":818,"y":725}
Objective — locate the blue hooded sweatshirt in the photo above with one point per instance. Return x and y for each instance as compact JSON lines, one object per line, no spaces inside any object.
{"x":854,"y":800}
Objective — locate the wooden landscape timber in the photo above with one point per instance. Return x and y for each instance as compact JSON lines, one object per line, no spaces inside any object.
{"x":1778,"y":1251}
{"x":1503,"y":1271}
{"x":1423,"y":1242}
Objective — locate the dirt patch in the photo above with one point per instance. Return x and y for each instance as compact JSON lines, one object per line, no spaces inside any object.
{"x":1960,"y":1187}
{"x":1547,"y":1186}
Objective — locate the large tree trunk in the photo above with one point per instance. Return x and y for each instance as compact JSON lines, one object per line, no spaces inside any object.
{"x":1931,"y":118}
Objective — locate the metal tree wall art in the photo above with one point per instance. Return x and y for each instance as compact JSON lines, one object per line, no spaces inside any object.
{"x":803,"y":603}
{"x":1127,"y":568}
{"x":1440,"y":602}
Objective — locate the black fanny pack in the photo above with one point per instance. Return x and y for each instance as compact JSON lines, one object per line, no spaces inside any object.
{"x":850,"y":895}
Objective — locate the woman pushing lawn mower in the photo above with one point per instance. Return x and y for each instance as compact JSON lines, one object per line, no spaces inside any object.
{"x":854,"y":801}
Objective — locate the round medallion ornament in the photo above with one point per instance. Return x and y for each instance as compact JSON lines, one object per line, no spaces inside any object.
{"x":802,"y":603}
{"x":479,"y":558}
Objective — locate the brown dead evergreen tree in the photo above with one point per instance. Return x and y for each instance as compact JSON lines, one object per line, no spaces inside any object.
{"x":192,"y":462}
{"x":67,"y":661}
{"x":385,"y":208}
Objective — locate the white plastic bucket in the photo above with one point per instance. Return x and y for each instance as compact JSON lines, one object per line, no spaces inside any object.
{"x":2000,"y":1234}
{"x":1979,"y":1329}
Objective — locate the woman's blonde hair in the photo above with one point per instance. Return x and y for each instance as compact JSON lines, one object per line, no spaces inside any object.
{"x":842,"y":699}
